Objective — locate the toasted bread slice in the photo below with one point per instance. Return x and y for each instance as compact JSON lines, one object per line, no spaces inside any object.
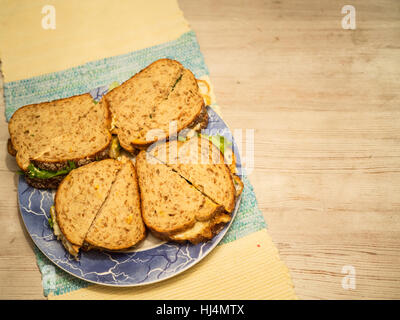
{"x":81,"y":195}
{"x":169,"y":203}
{"x":199,"y":161}
{"x":50,"y":134}
{"x":157,"y":102}
{"x":118,"y":224}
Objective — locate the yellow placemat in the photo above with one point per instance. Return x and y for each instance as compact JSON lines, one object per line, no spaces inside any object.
{"x":44,"y":64}
{"x":84,"y":31}
{"x":248,"y":268}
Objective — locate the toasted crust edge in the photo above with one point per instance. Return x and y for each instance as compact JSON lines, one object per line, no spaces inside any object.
{"x":188,"y":124}
{"x":10,"y":148}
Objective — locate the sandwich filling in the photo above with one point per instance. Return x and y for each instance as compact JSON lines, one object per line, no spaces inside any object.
{"x":71,"y":248}
{"x":201,"y":162}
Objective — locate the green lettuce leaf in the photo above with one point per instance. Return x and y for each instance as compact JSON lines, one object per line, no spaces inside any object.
{"x":34,"y":172}
{"x":219,"y":141}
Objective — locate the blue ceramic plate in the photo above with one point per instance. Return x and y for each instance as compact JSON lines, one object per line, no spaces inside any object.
{"x":152,"y":261}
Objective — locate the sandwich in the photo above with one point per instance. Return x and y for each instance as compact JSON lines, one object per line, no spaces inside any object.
{"x":97,"y":206}
{"x":50,"y":139}
{"x":201,"y":162}
{"x":172,"y":208}
{"x":155,"y":104}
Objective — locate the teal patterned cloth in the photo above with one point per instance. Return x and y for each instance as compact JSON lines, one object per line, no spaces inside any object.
{"x":100,"y":73}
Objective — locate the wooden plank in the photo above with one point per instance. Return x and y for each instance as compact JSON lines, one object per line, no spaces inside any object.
{"x":323,"y":103}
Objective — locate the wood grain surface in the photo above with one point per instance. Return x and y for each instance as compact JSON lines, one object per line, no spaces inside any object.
{"x":324,"y":105}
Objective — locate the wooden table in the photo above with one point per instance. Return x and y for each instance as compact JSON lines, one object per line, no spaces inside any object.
{"x":324,"y":104}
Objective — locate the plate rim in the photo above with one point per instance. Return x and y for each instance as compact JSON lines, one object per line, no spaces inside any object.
{"x":219,"y":236}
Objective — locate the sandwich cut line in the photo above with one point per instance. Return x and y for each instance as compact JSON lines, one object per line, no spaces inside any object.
{"x":49,"y":135}
{"x":172,"y":208}
{"x":213,"y":178}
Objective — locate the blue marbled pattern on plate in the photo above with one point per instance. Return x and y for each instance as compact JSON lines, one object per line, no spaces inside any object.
{"x":114,"y":268}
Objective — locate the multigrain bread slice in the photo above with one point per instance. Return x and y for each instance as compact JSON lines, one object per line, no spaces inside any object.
{"x":98,"y":206}
{"x":157,"y":102}
{"x":50,"y":135}
{"x":118,"y":224}
{"x":80,"y":196}
{"x":199,"y":161}
{"x":170,"y":205}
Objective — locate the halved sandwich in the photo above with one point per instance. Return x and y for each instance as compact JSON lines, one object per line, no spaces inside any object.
{"x":98,"y":206}
{"x":50,"y":139}
{"x":156,"y":103}
{"x":202,"y":163}
{"x":118,"y":224}
{"x":172,"y":208}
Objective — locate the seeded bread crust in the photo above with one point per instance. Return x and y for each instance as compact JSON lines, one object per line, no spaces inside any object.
{"x":151,"y":99}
